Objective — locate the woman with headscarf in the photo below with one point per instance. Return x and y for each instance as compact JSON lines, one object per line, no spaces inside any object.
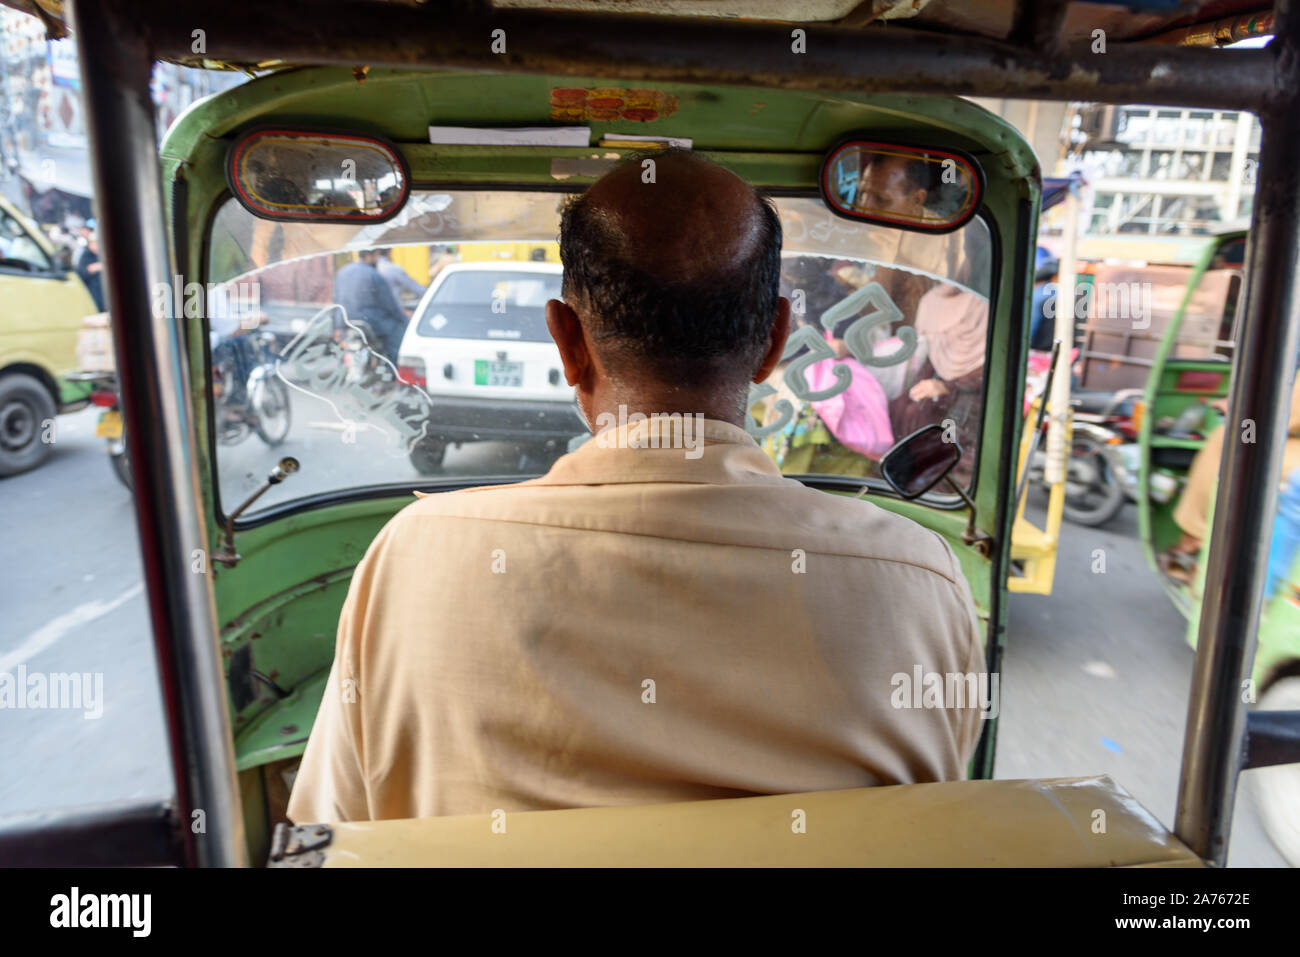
{"x":953,"y":323}
{"x":848,"y":432}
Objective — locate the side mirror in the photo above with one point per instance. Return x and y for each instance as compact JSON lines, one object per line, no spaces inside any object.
{"x":304,"y":175}
{"x":919,"y":462}
{"x":909,"y":187}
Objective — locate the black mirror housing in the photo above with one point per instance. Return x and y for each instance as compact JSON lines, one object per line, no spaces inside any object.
{"x":920,"y":461}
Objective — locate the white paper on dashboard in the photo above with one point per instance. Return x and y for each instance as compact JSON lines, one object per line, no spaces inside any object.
{"x":519,"y":136}
{"x":680,"y":141}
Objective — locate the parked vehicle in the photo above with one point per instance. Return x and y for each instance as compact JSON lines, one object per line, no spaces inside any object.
{"x":109,"y":426}
{"x":479,"y":348}
{"x":44,"y":304}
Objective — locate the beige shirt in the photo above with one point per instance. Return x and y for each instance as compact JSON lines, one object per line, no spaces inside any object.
{"x":640,"y":625}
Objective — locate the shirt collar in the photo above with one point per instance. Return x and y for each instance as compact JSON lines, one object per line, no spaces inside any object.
{"x":683,"y":448}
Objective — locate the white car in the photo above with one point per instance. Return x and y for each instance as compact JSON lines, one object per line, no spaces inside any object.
{"x":478,"y":346}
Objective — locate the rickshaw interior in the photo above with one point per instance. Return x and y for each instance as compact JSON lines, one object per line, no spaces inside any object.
{"x":361,"y":440}
{"x":256,"y":189}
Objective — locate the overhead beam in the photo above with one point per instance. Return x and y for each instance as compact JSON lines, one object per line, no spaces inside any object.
{"x":1038,"y":24}
{"x":699,"y":50}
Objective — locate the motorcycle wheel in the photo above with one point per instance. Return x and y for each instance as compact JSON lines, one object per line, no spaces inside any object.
{"x":1276,"y":789}
{"x":269,"y":400}
{"x":121,"y":467}
{"x":1092,"y":495}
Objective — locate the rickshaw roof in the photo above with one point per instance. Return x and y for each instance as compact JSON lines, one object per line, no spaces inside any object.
{"x":1159,"y":21}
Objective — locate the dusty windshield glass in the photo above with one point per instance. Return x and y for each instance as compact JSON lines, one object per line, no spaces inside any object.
{"x":416,"y":350}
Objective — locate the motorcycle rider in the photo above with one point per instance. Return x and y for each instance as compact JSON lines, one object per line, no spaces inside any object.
{"x":226,"y":327}
{"x":367,"y":297}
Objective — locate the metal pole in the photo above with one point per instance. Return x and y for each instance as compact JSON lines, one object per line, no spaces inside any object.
{"x":1248,"y":476}
{"x":115,"y":63}
{"x":1057,"y":453}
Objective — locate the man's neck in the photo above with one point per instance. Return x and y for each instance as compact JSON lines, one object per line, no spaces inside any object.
{"x":667,"y":402}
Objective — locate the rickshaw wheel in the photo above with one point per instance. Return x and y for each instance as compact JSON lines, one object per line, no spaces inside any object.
{"x":1276,"y":789}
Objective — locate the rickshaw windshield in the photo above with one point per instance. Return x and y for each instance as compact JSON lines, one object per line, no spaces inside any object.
{"x":415,"y":351}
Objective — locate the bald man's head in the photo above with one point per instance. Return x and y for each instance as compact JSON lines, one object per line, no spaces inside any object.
{"x":673,"y":265}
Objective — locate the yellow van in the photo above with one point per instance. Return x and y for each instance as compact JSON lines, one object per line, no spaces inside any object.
{"x":43,"y":308}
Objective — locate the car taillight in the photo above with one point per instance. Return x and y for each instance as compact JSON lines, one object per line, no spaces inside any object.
{"x":105,"y":399}
{"x":411,"y":371}
{"x":1139,"y":410}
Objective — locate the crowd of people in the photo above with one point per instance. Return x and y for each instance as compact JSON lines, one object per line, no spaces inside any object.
{"x":921,"y":309}
{"x":939,"y":382}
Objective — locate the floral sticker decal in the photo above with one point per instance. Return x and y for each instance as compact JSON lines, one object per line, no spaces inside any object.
{"x":610,"y":103}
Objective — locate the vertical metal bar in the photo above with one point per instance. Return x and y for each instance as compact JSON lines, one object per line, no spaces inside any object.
{"x":115,"y":69}
{"x":1248,"y":476}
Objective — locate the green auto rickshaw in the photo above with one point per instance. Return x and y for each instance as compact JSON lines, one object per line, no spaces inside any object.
{"x":1182,"y":414}
{"x":434,"y":132}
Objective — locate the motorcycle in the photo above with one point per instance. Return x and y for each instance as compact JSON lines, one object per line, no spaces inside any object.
{"x":250,"y":396}
{"x":1102,"y":468}
{"x":104,"y":395}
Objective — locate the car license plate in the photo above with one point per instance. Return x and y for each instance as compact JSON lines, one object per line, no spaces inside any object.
{"x":487,"y":372}
{"x":110,"y":425}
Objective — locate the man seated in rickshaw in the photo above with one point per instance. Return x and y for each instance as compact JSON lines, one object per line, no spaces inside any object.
{"x":1195,"y":504}
{"x":662,"y":616}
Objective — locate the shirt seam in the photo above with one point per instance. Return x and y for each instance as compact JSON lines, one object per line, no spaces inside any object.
{"x":666,"y":538}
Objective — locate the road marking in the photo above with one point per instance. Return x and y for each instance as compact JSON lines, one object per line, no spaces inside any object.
{"x":1099,"y":669}
{"x":52,"y":631}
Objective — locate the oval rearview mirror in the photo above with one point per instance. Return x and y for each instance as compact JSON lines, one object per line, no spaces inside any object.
{"x":323,"y":177}
{"x":910,"y":187}
{"x":919,"y":462}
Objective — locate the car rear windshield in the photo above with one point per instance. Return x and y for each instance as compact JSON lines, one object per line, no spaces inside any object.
{"x":490,"y":304}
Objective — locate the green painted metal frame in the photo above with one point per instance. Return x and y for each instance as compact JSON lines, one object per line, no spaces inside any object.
{"x":1147,"y":523}
{"x":776,"y":139}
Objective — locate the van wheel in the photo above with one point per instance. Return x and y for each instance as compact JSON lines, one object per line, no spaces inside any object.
{"x":1277,"y":789}
{"x":25,"y":407}
{"x":427,"y":456}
